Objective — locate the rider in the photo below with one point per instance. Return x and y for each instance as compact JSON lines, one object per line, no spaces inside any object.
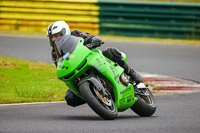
{"x":59,"y":33}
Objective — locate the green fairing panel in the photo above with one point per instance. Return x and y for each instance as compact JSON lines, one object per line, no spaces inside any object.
{"x":75,"y":60}
{"x":81,"y":59}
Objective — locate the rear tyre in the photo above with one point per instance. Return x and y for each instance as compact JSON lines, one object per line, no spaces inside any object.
{"x":145,"y":106}
{"x":103,"y":106}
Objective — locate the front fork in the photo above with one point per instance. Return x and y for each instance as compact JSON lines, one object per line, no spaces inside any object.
{"x":97,"y":83}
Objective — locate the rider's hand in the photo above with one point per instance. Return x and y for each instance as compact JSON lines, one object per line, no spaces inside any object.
{"x":83,"y":34}
{"x":96,"y":42}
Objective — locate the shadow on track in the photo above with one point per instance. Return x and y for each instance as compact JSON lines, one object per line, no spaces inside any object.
{"x":91,"y":117}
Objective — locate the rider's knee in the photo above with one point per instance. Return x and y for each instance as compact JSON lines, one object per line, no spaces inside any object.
{"x":113,"y":54}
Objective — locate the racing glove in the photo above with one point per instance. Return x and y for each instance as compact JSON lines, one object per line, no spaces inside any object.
{"x":90,"y":41}
{"x":95,"y":42}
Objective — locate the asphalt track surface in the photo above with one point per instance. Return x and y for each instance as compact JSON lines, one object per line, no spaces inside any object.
{"x":175,"y":113}
{"x":172,"y":60}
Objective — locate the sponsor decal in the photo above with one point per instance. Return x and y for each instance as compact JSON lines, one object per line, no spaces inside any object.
{"x":98,"y":67}
{"x":62,"y":67}
{"x":66,"y":55}
{"x":72,"y":56}
{"x":125,"y":91}
{"x":122,"y":100}
{"x":128,"y":100}
{"x":116,"y":76}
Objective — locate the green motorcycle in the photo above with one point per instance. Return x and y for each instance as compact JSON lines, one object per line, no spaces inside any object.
{"x":103,"y":84}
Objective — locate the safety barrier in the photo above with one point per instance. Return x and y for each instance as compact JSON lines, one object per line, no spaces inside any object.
{"x":36,"y":15}
{"x":162,"y":20}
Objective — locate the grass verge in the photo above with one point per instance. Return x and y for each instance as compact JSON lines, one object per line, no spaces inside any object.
{"x":25,"y":81}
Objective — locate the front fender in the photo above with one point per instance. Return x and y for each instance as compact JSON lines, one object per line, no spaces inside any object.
{"x":95,"y":81}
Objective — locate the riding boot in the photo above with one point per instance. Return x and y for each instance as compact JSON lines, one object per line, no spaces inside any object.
{"x":72,"y":99}
{"x":133,"y":75}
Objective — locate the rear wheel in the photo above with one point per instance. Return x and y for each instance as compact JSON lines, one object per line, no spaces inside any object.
{"x":104,"y":106}
{"x":145,"y":106}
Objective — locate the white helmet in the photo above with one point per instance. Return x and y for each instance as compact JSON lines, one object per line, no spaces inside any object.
{"x":57,"y":27}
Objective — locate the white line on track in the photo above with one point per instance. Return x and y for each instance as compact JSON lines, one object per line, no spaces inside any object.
{"x":35,"y":103}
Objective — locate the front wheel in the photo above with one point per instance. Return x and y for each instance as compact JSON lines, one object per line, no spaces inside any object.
{"x":102,"y":105}
{"x":145,"y":106}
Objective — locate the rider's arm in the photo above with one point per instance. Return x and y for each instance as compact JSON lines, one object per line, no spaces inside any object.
{"x":54,"y":56}
{"x":90,"y":41}
{"x":86,"y":36}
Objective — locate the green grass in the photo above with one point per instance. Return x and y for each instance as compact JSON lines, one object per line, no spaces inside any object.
{"x":25,"y":81}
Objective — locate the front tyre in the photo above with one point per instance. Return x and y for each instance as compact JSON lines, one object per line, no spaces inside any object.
{"x":103,"y":106}
{"x":145,"y":106}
